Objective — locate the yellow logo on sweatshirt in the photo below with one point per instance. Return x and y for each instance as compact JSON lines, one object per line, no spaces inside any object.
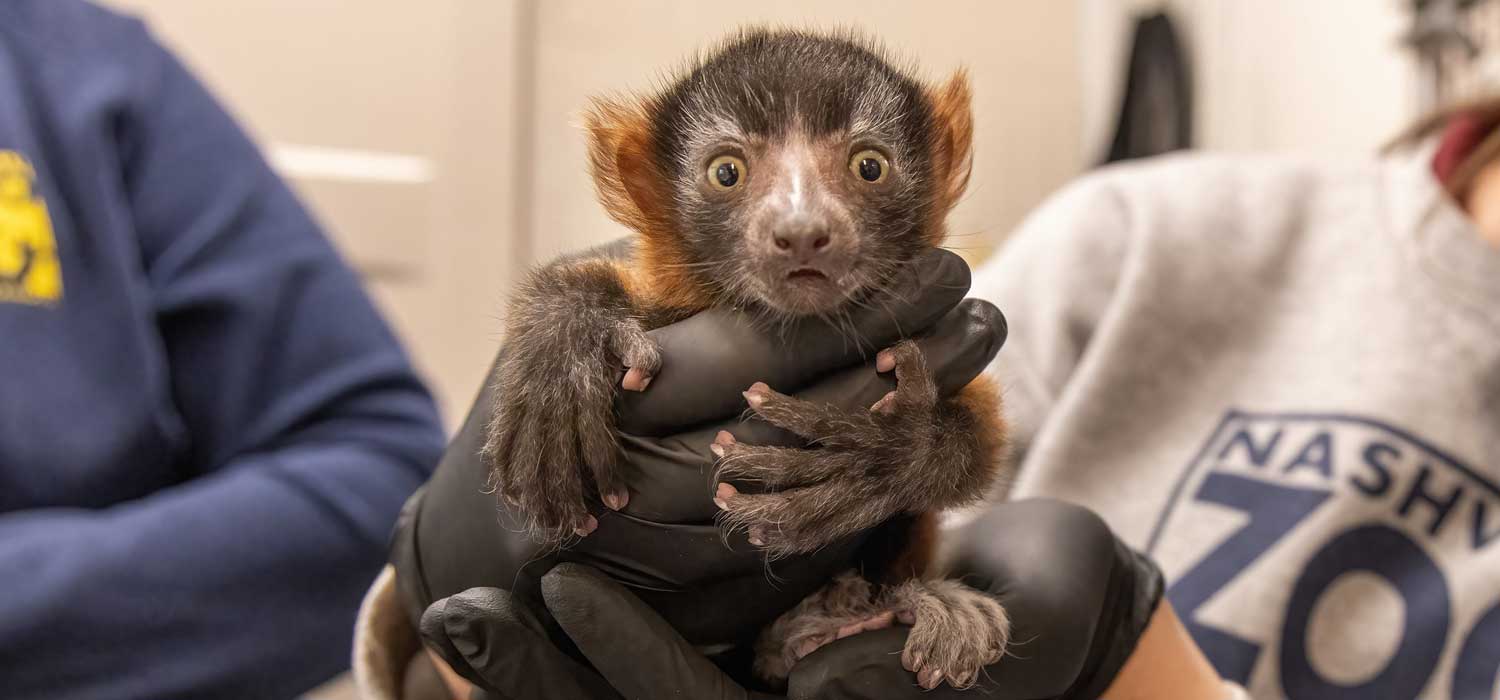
{"x":29,"y":270}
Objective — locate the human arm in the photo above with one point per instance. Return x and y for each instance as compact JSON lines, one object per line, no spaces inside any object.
{"x":304,"y":424}
{"x":1166,"y":663}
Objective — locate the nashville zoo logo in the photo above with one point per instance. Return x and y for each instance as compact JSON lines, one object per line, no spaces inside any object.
{"x":1387,"y":595}
{"x":29,"y":270}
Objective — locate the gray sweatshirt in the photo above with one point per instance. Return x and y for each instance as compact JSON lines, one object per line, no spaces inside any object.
{"x":1280,"y":379}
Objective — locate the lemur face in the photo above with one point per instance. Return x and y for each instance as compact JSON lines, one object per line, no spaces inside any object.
{"x":800,"y":168}
{"x":790,"y":171}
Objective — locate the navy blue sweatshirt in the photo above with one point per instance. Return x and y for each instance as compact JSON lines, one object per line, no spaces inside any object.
{"x":206,"y":430}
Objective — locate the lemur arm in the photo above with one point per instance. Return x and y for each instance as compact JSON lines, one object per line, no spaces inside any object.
{"x":575,"y":326}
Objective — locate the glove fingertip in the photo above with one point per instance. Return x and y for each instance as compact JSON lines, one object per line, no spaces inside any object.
{"x":865,"y":665}
{"x":926,"y":288}
{"x":433,"y":626}
{"x":948,"y":270}
{"x":578,"y":594}
{"x":985,"y":317}
{"x":569,"y":580}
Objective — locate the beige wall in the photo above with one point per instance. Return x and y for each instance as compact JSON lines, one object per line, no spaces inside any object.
{"x":467,"y":163}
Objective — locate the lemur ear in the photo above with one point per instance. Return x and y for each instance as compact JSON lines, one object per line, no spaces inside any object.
{"x":629,"y":184}
{"x":953,"y":137}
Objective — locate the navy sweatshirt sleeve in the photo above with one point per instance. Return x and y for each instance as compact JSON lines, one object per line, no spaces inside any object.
{"x":207,"y":431}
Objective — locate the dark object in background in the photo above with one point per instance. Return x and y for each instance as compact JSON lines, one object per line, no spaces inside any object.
{"x":1447,"y":37}
{"x":1156,"y":115}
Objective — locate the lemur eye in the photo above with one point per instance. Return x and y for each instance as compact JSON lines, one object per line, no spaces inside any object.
{"x":870,"y":165}
{"x":725,"y":172}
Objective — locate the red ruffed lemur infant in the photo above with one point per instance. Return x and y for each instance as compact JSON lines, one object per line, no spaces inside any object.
{"x":791,"y":174}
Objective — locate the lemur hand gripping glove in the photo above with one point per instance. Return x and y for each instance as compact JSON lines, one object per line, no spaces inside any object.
{"x":1078,"y":598}
{"x":664,"y":547}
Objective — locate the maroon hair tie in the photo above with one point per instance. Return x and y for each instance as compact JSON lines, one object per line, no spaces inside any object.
{"x":1461,"y":136}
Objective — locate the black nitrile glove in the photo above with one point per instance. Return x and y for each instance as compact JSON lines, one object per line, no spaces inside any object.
{"x":1078,"y":598}
{"x":634,"y":652}
{"x":663,"y":546}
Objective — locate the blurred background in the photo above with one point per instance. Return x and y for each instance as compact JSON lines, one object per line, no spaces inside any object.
{"x":438,"y":141}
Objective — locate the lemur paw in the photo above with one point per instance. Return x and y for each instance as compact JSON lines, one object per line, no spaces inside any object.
{"x":639,"y":355}
{"x":844,"y":607}
{"x":551,"y":445}
{"x":956,"y":631}
{"x":858,"y":473}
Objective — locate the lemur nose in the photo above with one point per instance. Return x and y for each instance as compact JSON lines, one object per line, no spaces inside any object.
{"x":801,"y":240}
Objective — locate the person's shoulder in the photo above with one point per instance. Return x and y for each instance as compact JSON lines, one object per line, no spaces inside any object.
{"x":60,"y":18}
{"x":70,"y":31}
{"x":1182,"y":196}
{"x":1227,"y":176}
{"x":79,"y":58}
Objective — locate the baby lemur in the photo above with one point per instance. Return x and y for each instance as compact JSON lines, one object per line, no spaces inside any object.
{"x":790,"y":174}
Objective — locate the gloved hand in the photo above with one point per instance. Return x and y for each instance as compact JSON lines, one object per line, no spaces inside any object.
{"x":634,"y":652}
{"x":664,"y":547}
{"x":1078,"y":598}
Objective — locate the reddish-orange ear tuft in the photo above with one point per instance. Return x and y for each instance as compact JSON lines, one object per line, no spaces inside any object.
{"x":637,"y":194}
{"x":629,"y":184}
{"x":953,"y":138}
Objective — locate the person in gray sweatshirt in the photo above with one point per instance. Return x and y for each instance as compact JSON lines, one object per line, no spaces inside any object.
{"x":1280,"y":379}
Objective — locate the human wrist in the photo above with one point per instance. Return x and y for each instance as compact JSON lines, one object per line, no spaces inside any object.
{"x":1167,"y":663}
{"x":1131,"y":605}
